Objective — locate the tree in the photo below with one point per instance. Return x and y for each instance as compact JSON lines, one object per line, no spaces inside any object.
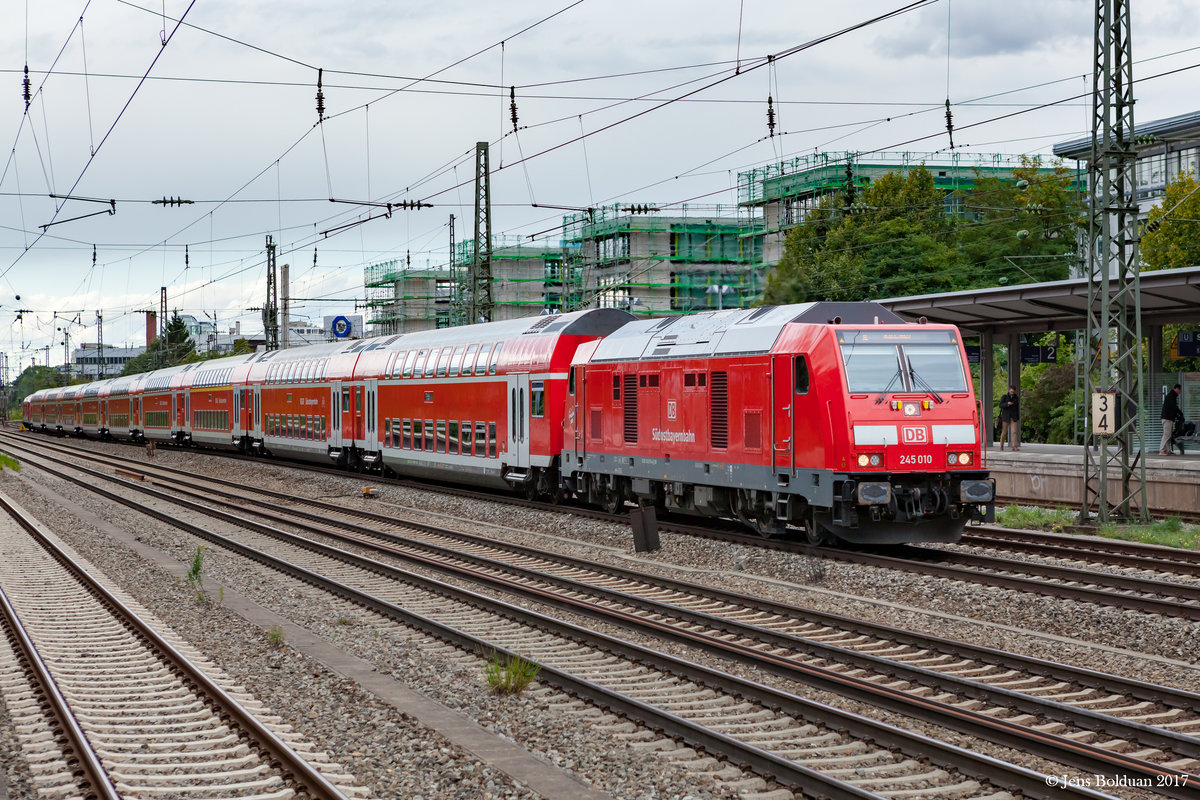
{"x":176,"y":347}
{"x":1171,"y":239}
{"x":901,"y":240}
{"x":32,"y":379}
{"x":1172,"y":234}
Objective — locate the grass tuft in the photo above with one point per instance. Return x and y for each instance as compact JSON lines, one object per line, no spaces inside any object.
{"x":511,"y":674}
{"x":8,"y":461}
{"x":275,"y":636}
{"x":1036,"y":518}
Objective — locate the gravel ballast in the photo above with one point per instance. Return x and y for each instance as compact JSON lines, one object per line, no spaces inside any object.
{"x":1127,"y":643}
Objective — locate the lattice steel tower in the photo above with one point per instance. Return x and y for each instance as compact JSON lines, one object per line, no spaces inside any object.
{"x":1115,"y":472}
{"x":480,"y":283}
{"x":270,"y":310}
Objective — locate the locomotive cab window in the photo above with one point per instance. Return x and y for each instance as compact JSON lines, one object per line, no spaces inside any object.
{"x":935,"y":367}
{"x":872,"y":368}
{"x":801,"y":375}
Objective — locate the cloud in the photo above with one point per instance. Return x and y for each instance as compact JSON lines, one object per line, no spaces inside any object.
{"x":983,"y":29}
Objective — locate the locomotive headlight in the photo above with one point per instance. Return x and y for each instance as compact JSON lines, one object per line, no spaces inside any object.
{"x":863,"y":459}
{"x":952,"y":458}
{"x":964,"y":458}
{"x":869,"y":459}
{"x":961,"y":459}
{"x":876,"y":460}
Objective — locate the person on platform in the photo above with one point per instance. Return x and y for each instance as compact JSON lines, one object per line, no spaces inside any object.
{"x":1170,"y":413}
{"x":1010,"y":419}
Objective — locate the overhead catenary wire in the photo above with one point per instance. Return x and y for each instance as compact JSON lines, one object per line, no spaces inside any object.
{"x":113,"y":127}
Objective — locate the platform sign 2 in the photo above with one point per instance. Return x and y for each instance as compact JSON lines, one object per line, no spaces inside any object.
{"x":1035,"y":354}
{"x":973,"y":353}
{"x":1104,"y":413}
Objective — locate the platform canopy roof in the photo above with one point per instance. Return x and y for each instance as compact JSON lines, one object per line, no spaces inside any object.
{"x":1168,"y":296}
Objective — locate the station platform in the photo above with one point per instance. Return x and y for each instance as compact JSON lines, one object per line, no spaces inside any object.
{"x":1052,"y":474}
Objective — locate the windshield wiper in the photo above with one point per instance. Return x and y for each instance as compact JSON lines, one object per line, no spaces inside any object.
{"x":887,"y":388}
{"x":937,"y":398}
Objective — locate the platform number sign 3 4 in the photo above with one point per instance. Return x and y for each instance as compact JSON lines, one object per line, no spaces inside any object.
{"x":1104,"y":413}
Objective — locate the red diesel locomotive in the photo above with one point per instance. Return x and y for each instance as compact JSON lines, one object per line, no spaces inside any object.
{"x":839,"y":418}
{"x":836,"y":418}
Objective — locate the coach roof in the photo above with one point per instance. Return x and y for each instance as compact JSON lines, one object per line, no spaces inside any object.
{"x":738,"y":330}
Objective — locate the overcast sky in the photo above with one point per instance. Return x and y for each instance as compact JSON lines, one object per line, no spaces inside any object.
{"x":227,"y":119}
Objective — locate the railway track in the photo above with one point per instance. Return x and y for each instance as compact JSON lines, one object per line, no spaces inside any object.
{"x":1083,"y":736}
{"x":1148,"y":558}
{"x":1130,"y":592}
{"x":774,"y":732}
{"x":133,"y":715}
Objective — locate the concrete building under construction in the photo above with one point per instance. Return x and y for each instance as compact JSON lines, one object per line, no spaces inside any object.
{"x":781,"y":194}
{"x":655,"y":262}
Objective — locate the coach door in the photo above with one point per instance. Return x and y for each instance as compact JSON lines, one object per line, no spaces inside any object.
{"x":518,"y":420}
{"x":256,"y":413}
{"x":371,"y":414}
{"x":783,"y":430}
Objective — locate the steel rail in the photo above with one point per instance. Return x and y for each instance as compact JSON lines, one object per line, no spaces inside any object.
{"x":929,"y":566}
{"x":86,"y":762}
{"x":1172,"y":741}
{"x":280,"y":755}
{"x":1113,"y":552}
{"x":1105,"y":681}
{"x":788,"y":772}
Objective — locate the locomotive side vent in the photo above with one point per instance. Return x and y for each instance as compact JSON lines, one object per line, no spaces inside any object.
{"x":631,"y":403}
{"x":594,"y":425}
{"x":718,"y":408}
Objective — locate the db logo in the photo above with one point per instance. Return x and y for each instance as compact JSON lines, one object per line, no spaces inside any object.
{"x":914,"y":434}
{"x":670,"y":409}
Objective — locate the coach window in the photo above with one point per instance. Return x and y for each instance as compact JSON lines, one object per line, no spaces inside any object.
{"x":429,"y":435}
{"x":408,"y":364}
{"x":537,"y":399}
{"x":465,"y":438}
{"x":468,"y":364}
{"x":480,"y":439}
{"x":431,"y":362}
{"x":482,"y":359}
{"x":452,"y":436}
{"x":456,"y":361}
{"x":441,"y":435}
{"x":495,"y":359}
{"x":387,"y":433}
{"x":443,"y":362}
{"x":406,"y":434}
{"x":418,"y":442}
{"x":491,"y":440}
{"x":801,"y":373}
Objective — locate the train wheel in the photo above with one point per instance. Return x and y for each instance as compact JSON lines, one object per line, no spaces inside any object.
{"x":814,"y":532}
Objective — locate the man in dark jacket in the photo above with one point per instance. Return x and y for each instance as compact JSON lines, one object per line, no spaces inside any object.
{"x":1010,"y":419}
{"x":1170,"y":413}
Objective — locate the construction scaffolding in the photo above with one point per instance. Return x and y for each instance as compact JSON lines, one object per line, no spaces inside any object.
{"x":662,"y":262}
{"x":401,"y":299}
{"x":783,"y":193}
{"x":649,"y":263}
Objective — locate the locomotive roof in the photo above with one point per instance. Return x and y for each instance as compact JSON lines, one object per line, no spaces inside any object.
{"x":738,"y":330}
